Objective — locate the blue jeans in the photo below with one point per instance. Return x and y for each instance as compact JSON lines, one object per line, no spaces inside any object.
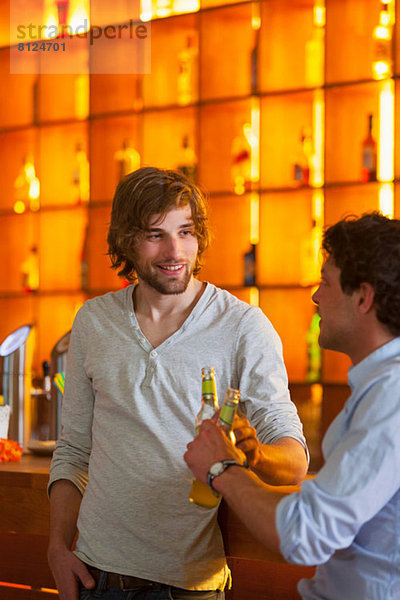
{"x":163,"y":592}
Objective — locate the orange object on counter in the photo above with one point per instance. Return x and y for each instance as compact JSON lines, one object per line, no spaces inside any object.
{"x":10,"y":451}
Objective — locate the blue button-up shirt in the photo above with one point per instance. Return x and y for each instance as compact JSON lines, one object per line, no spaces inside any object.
{"x":347,"y":519}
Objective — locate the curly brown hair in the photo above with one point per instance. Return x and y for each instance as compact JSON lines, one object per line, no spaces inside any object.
{"x":367,"y":249}
{"x":146,"y":192}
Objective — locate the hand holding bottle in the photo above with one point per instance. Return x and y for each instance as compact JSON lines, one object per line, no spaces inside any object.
{"x":201,"y":493}
{"x":210,"y":446}
{"x":246,"y":439}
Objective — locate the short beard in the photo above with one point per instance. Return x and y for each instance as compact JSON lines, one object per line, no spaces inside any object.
{"x":168,"y":287}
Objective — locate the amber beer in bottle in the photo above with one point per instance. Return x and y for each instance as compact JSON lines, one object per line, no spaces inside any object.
{"x":201,"y":493}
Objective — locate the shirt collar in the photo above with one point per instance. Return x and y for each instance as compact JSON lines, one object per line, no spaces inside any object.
{"x":361,"y":371}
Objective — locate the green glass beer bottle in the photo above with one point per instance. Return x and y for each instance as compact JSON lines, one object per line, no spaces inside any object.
{"x":228,"y":412}
{"x":209,"y":405}
{"x":201,"y":493}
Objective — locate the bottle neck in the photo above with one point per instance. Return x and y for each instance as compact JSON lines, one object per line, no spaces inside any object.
{"x":370,"y":125}
{"x":210,"y":400}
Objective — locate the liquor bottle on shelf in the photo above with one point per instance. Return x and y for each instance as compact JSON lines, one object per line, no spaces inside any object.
{"x":254,"y":54}
{"x":85,"y":260}
{"x":188,"y":160}
{"x":250,"y":266}
{"x":313,"y":349}
{"x":35,"y":100}
{"x":382,"y":63}
{"x":201,"y":493}
{"x":369,"y":154}
{"x":138,"y":93}
{"x":301,"y":165}
{"x":127,"y":159}
{"x":80,"y":180}
{"x":30,"y":271}
{"x":314,"y":49}
{"x":27,"y":187}
{"x":241,"y":161}
{"x":62,"y":12}
{"x":254,"y":61}
{"x":187,"y":72}
{"x":81,"y":96}
{"x":310,"y":246}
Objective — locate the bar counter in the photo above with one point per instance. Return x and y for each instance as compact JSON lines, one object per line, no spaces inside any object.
{"x":24,"y":526}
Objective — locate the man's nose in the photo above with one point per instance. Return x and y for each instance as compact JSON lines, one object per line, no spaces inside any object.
{"x":172,"y":247}
{"x":315,"y":297}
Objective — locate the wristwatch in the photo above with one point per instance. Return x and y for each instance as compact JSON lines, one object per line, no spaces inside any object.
{"x":219,"y":467}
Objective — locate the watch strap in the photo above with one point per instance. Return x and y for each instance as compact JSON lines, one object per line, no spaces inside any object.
{"x":227,"y":462}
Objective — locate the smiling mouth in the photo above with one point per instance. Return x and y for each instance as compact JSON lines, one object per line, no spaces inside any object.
{"x":171,"y":268}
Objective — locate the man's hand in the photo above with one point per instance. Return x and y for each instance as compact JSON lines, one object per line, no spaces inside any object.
{"x":210,"y":446}
{"x":68,"y":571}
{"x":246,"y":440}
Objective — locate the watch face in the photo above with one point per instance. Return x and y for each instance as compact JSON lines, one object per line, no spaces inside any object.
{"x":217,"y":468}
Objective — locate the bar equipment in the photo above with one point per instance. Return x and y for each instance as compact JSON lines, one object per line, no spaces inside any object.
{"x":47,"y":402}
{"x":15,"y":381}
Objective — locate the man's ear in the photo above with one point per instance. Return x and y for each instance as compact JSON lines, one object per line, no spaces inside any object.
{"x":366,"y":296}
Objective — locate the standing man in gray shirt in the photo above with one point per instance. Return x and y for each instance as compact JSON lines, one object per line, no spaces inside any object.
{"x":131,"y":396}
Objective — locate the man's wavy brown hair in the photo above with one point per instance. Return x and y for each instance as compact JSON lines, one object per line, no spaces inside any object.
{"x":140,"y":195}
{"x":367,"y":249}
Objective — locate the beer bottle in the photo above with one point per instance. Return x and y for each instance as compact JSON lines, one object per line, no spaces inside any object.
{"x":201,"y":493}
{"x":209,"y":397}
{"x":209,"y":405}
{"x":228,"y":412}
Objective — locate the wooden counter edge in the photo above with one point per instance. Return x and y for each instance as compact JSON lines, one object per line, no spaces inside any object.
{"x":32,"y":473}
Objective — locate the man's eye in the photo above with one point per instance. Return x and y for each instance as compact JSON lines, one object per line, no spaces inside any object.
{"x":153,"y":236}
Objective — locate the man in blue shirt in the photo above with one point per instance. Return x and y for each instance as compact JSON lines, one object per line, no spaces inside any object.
{"x":346,"y":519}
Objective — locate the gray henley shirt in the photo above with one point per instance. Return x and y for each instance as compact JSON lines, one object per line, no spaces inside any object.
{"x":129,"y":411}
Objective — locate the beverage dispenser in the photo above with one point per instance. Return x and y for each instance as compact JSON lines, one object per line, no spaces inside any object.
{"x":15,"y":381}
{"x":47,"y":402}
{"x":58,"y":364}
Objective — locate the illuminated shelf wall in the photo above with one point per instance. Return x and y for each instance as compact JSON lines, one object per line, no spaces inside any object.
{"x":285,"y":70}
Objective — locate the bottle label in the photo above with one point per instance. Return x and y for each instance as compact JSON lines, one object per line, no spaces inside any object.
{"x":297,"y":172}
{"x":369,"y":164}
{"x":227,"y":415}
{"x":368,"y":159}
{"x":208,"y":387}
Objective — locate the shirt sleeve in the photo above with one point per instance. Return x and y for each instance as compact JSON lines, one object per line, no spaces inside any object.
{"x":71,"y":456}
{"x":360,"y":476}
{"x":263,"y":380}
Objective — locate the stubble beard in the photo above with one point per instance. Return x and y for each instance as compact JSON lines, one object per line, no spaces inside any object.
{"x":335,"y":341}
